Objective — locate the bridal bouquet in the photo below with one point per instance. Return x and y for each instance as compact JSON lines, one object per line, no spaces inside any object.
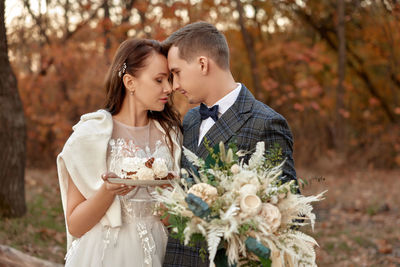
{"x":243,"y":208}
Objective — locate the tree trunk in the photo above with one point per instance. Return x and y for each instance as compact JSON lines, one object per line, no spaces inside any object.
{"x":249,"y":44}
{"x":339,"y":127}
{"x":106,"y":31}
{"x":12,"y":135}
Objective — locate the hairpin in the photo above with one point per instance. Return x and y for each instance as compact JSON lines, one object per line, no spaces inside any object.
{"x":122,"y":70}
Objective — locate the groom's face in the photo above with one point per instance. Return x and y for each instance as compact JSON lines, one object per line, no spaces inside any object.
{"x":186,"y":76}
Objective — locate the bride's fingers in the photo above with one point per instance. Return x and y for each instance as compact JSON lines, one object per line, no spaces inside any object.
{"x":125,"y":190}
{"x":166,"y":186}
{"x":122,"y":188}
{"x":107,"y":175}
{"x":119,"y":191}
{"x":115,"y":188}
{"x":123,"y":193}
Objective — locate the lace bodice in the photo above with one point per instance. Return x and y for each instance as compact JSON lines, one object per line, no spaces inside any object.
{"x":144,"y":142}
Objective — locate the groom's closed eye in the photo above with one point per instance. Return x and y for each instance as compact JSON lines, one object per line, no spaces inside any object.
{"x":175,"y":71}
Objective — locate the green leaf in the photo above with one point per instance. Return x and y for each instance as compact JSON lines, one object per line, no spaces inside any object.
{"x":265,"y":262}
{"x":212,"y":158}
{"x":221,"y":260}
{"x":178,"y":222}
{"x":273,"y":155}
{"x":197,"y":237}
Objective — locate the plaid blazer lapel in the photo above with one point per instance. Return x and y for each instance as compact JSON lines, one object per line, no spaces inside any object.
{"x":229,"y":123}
{"x":191,"y":133}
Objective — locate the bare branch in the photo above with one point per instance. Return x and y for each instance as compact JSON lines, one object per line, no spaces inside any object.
{"x":359,"y":70}
{"x":38,"y":21}
{"x":83,"y":23}
{"x":70,"y":34}
{"x":249,"y":43}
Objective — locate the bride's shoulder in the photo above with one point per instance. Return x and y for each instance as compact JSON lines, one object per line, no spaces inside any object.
{"x":94,"y":123}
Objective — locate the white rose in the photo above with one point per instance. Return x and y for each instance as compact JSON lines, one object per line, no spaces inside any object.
{"x":145,"y":174}
{"x":160,"y":168}
{"x":248,"y":175}
{"x":250,"y":205}
{"x":235,"y":169}
{"x":254,"y":181}
{"x":206,"y":192}
{"x":130,"y":164}
{"x":242,"y":178}
{"x":248,"y":189}
{"x":272,"y":215}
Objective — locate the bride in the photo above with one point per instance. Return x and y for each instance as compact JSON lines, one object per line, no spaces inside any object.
{"x":112,"y":224}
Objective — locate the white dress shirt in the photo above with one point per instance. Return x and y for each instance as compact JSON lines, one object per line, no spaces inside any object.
{"x":224,"y":104}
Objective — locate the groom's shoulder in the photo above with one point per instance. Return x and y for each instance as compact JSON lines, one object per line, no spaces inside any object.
{"x":190,"y":117}
{"x":258,"y":110}
{"x":264,"y":112}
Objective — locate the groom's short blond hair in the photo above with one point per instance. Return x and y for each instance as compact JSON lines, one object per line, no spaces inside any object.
{"x":200,"y":38}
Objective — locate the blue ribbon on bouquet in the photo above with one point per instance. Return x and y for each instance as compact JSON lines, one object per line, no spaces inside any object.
{"x":198,"y":206}
{"x":262,"y":252}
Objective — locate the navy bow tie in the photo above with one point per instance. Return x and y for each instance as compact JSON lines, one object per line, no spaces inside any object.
{"x":206,"y":112}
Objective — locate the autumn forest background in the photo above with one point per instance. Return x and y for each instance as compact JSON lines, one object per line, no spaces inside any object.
{"x":331,"y":67}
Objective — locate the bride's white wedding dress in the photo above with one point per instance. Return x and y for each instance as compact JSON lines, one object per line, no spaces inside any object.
{"x":142,"y":238}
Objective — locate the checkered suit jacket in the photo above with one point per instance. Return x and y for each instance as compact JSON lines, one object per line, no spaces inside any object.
{"x":248,"y":121}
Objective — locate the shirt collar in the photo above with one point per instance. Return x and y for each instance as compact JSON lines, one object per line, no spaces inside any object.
{"x":228,"y":100}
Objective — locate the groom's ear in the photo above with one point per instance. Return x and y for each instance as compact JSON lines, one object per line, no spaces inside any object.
{"x":204,"y":64}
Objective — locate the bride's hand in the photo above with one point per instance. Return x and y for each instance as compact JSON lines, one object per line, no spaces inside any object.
{"x":115,"y":189}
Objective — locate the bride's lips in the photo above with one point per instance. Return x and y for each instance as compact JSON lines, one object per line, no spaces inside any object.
{"x":164,"y":100}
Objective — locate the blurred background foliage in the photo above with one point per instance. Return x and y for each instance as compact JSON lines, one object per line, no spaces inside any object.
{"x":331,"y":67}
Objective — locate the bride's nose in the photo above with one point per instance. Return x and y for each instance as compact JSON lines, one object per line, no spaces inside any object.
{"x":167,"y":88}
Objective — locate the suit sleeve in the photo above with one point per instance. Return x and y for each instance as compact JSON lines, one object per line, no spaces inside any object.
{"x":277,"y":132}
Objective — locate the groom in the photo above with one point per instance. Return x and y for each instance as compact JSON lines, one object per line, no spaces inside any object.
{"x":198,"y":57}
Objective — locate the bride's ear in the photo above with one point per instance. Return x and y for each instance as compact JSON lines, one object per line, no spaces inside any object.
{"x":204,"y":65}
{"x":129,"y":82}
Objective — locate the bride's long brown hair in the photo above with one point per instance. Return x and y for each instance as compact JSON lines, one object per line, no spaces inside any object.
{"x":134,"y":52}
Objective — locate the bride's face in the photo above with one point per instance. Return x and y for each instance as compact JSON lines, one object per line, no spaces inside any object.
{"x":151,"y":85}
